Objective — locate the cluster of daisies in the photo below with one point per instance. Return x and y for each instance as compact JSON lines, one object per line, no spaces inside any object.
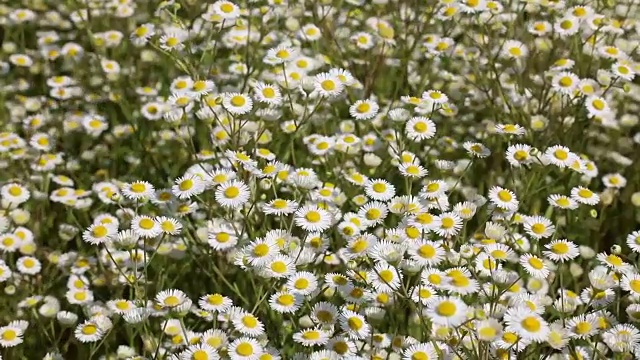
{"x":353,"y":180}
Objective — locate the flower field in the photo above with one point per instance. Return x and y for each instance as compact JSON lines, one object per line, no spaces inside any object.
{"x":321,"y":180}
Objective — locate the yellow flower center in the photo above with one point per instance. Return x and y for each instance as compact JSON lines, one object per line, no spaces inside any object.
{"x":531,"y":324}
{"x":536,"y":263}
{"x":244,"y":349}
{"x":538,"y":228}
{"x":238,"y":100}
{"x":504,"y":195}
{"x":89,"y":329}
{"x":171,"y":301}
{"x":446,"y":308}
{"x":328,"y":85}
{"x":279,"y":267}
{"x":355,"y":323}
{"x":231,"y":192}
{"x":146,"y":223}
{"x":313,"y":216}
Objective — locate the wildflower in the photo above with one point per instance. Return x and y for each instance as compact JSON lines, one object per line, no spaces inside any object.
{"x":10,"y":336}
{"x":237,"y":104}
{"x":562,"y":202}
{"x":488,"y":330}
{"x":138,"y":190}
{"x":526,"y":324}
{"x":98,"y":234}
{"x":534,"y":266}
{"x":186,"y":187}
{"x":567,"y":26}
{"x":363,"y":109}
{"x":518,"y":155}
{"x":232,"y":194}
{"x":420,"y":128}
{"x":245,"y":348}
{"x":268,"y":94}
{"x":285,"y":303}
{"x":476,"y":149}
{"x":354,"y":324}
{"x":448,"y":311}
{"x":565,"y":83}
{"x":450,"y":224}
{"x":561,"y":250}
{"x":420,"y":351}
{"x":379,"y":189}
{"x":248,"y":324}
{"x":538,"y":227}
{"x":328,"y":85}
{"x":503,"y":198}
{"x":173,"y":299}
{"x":312,"y":218}
{"x":584,"y":196}
{"x":311,"y":337}
{"x":172,"y":41}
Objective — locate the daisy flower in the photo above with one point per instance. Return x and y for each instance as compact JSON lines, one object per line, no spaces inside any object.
{"x":582,"y":326}
{"x":188,"y":186}
{"x":215,"y":302}
{"x":420,"y":351}
{"x":173,"y":299}
{"x":312,"y":218}
{"x":245,"y":348}
{"x":232,"y":194}
{"x":538,"y":227}
{"x":302,"y":282}
{"x":450,"y":223}
{"x":354,"y":324}
{"x":476,"y":149}
{"x":567,"y":26}
{"x":385,"y":278}
{"x":280,"y":207}
{"x":503,"y":198}
{"x":614,"y":262}
{"x":534,"y":266}
{"x":448,"y":311}
{"x":145,"y":226}
{"x":363,"y":109}
{"x":518,"y":155}
{"x":311,"y":337}
{"x":433,"y":189}
{"x":526,"y":324}
{"x":237,"y":104}
{"x":225,"y":9}
{"x":88,"y":332}
{"x":561,"y":250}
{"x":562,"y":202}
{"x":247,"y":324}
{"x":420,"y":128}
{"x":14,"y":193}
{"x":510,"y":129}
{"x":172,"y":41}
{"x":584,"y":196}
{"x":631,"y":282}
{"x":328,"y":85}
{"x":138,"y":190}
{"x":379,"y":189}
{"x":427,"y":253}
{"x":280,"y":266}
{"x":565,"y":83}
{"x":267,"y":94}
{"x":597,"y":106}
{"x":633,"y":241}
{"x":98,"y":234}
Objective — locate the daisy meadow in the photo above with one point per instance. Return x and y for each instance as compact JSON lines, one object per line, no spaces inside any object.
{"x":260,"y":180}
